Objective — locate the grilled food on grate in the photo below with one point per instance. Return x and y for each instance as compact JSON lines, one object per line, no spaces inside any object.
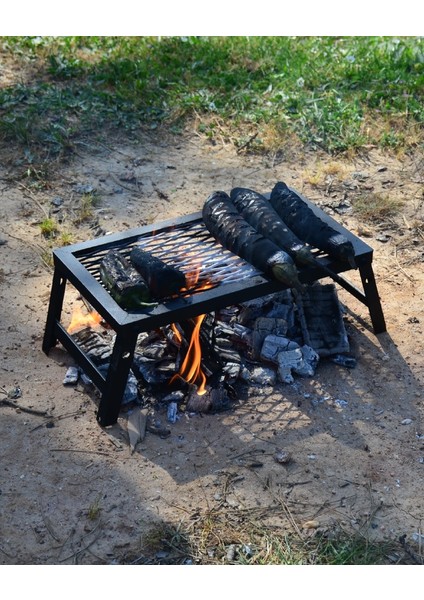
{"x":225,"y":223}
{"x":308,"y":226}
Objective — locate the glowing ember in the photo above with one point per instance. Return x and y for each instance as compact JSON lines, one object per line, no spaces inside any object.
{"x":79,"y":320}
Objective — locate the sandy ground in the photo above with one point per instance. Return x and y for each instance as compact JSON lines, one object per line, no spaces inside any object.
{"x":72,"y":492}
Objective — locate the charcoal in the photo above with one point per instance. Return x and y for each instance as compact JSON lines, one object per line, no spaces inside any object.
{"x":94,"y":345}
{"x":220,"y":400}
{"x":265,"y":326}
{"x":231,"y":371}
{"x":274,"y":345}
{"x":175,"y":396}
{"x":310,"y":361}
{"x":153,"y":372}
{"x":223,"y":329}
{"x":344,"y":361}
{"x":302,"y":361}
{"x":196,"y":403}
{"x":229,"y":355}
{"x":285,"y":374}
{"x":223,"y":342}
{"x":156,"y":350}
{"x":172,"y":412}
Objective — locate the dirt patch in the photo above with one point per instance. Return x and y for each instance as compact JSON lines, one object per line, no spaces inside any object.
{"x":72,"y":492}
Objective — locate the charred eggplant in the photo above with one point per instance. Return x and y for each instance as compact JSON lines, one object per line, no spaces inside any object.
{"x":162,"y":279}
{"x":123,"y":282}
{"x":234,"y":233}
{"x":308,"y":226}
{"x":260,"y":214}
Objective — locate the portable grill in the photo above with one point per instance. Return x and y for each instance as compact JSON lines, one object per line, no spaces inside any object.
{"x":223,"y":280}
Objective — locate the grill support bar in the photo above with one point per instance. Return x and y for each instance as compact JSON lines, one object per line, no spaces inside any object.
{"x":128,"y":325}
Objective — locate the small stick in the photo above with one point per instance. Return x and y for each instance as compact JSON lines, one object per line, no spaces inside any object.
{"x":82,"y":451}
{"x":30,"y":411}
{"x":34,"y":200}
{"x":249,"y":141}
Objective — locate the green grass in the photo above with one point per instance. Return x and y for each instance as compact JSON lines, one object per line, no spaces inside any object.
{"x":229,"y":537}
{"x":336,"y":93}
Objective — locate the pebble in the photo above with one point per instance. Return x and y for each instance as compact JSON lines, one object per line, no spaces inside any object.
{"x":282,"y":457}
{"x":231,"y":552}
{"x":311,"y":525}
{"x":406,"y":422}
{"x":84,"y":189}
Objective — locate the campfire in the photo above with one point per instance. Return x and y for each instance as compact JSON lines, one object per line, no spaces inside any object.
{"x":228,"y":323}
{"x":195,"y":366}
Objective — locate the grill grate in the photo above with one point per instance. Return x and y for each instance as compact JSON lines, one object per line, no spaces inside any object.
{"x":191,"y":249}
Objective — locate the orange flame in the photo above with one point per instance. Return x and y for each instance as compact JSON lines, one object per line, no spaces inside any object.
{"x":79,"y":320}
{"x":191,"y":370}
{"x":176,"y":333}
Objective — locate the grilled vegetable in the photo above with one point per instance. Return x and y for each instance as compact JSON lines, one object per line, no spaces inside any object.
{"x":260,"y":214}
{"x":162,"y":279}
{"x":308,"y":226}
{"x":123,"y":282}
{"x":228,"y":227}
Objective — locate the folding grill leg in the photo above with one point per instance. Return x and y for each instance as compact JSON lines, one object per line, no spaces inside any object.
{"x":372,"y":298}
{"x":55,"y":310}
{"x":116,"y":379}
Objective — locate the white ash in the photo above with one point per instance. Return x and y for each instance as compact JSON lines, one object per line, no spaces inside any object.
{"x":258,"y":375}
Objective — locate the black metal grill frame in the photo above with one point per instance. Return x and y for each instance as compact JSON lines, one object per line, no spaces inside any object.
{"x":78,"y":265}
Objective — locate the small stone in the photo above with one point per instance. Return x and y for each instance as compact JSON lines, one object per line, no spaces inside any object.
{"x":231,"y":552}
{"x":311,"y":525}
{"x":406,"y":422}
{"x":84,"y":189}
{"x":72,"y":376}
{"x":282,"y":457}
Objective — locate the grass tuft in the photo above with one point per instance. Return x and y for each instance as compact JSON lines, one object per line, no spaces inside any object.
{"x":376,"y":207}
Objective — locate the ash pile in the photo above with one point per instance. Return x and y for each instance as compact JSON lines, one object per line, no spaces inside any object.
{"x":269,"y":340}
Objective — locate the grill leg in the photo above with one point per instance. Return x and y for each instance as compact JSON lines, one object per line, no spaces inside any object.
{"x":55,"y":309}
{"x":372,"y":298}
{"x":116,"y":379}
